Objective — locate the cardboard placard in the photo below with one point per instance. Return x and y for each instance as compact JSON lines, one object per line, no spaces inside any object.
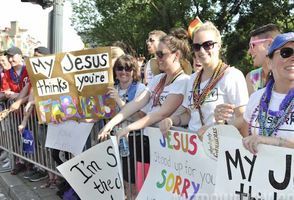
{"x":72,"y":85}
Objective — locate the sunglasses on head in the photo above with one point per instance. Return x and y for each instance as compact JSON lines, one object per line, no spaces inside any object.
{"x":127,"y":68}
{"x":253,"y":43}
{"x":206,"y":45}
{"x":286,"y":52}
{"x":160,"y":54}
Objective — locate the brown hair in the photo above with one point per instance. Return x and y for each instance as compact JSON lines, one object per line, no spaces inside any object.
{"x":128,"y":61}
{"x":157,"y":33}
{"x":177,"y":42}
{"x":266,"y":31}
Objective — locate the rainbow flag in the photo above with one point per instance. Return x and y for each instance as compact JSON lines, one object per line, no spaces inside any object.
{"x":194,"y":25}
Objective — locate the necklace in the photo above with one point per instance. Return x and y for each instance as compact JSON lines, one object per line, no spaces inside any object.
{"x":199,"y":97}
{"x":279,"y":117}
{"x":160,"y":86}
{"x":14,"y":76}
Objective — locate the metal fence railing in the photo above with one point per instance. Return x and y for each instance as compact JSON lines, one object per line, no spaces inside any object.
{"x":11,"y":141}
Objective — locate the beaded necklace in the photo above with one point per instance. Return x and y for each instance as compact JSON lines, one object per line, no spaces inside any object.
{"x":160,"y":86}
{"x":14,"y":76}
{"x":279,"y":117}
{"x":199,"y":97}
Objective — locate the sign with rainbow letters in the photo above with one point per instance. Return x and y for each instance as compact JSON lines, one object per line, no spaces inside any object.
{"x":179,"y":167}
{"x":72,"y":85}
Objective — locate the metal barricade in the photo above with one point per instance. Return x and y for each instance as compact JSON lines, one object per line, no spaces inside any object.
{"x":10,"y":141}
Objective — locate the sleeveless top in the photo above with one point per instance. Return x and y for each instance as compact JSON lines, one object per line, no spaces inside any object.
{"x":256,"y":79}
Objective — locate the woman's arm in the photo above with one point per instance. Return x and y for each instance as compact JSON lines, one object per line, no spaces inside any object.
{"x":175,"y":120}
{"x":251,"y":142}
{"x":171,"y":103}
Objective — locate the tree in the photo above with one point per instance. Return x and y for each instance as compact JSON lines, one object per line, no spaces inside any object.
{"x":101,"y":22}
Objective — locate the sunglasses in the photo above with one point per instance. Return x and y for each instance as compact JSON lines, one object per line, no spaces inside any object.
{"x":160,"y":54}
{"x":127,"y":68}
{"x":253,"y":43}
{"x":150,"y":40}
{"x":208,"y":45}
{"x":286,"y":52}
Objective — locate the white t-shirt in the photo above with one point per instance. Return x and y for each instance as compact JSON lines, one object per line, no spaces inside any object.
{"x":149,"y":74}
{"x":231,"y":88}
{"x":178,"y":86}
{"x":286,"y":130}
{"x":123,"y":94}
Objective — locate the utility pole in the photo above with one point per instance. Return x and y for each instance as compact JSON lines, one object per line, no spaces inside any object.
{"x":55,"y":27}
{"x":55,"y":33}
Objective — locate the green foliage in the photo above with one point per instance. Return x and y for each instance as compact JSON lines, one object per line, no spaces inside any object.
{"x":102,"y":22}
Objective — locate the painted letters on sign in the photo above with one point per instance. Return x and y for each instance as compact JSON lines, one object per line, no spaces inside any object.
{"x":73,"y":85}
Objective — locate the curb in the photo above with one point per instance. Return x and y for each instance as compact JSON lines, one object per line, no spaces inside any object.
{"x":16,"y":189}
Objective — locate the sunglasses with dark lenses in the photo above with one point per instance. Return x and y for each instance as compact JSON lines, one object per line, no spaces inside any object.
{"x":160,"y":54}
{"x":127,"y":68}
{"x":206,"y":45}
{"x":286,"y":52}
{"x":150,"y":40}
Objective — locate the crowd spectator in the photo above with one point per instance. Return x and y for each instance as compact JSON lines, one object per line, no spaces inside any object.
{"x":268,"y":113}
{"x":152,"y":44}
{"x":260,"y":40}
{"x":164,"y":94}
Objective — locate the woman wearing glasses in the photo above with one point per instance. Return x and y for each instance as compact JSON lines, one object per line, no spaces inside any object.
{"x":127,"y":81}
{"x":216,"y":83}
{"x":127,"y":87}
{"x":164,"y":94}
{"x":269,"y":113}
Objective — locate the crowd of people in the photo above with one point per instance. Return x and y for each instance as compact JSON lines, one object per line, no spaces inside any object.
{"x":260,"y":105}
{"x":167,"y":94}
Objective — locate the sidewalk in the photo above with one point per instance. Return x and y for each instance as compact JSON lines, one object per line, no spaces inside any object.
{"x":19,"y":188}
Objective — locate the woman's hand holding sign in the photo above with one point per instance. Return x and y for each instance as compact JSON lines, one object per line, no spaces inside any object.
{"x":104,"y":133}
{"x":223,"y":113}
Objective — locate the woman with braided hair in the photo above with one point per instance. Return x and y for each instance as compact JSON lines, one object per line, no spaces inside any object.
{"x":216,"y":83}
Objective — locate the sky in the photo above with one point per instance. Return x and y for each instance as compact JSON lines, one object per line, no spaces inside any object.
{"x":35,"y":19}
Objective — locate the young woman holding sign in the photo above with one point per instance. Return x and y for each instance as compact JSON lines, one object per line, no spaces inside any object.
{"x":164,"y":94}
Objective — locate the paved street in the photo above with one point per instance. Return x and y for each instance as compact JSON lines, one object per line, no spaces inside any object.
{"x":3,"y":196}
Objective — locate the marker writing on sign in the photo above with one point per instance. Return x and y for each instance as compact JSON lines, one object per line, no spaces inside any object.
{"x":43,"y":65}
{"x":72,"y":63}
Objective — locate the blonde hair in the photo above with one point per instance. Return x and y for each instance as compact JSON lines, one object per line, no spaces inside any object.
{"x":209,"y":26}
